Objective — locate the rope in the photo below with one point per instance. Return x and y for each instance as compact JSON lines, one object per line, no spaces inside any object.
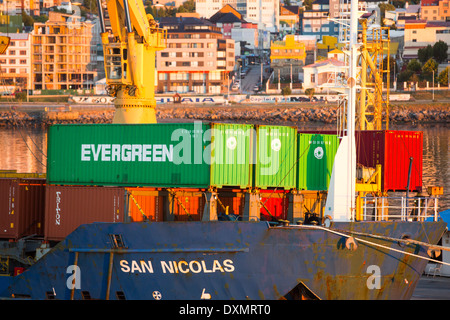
{"x":376,"y":244}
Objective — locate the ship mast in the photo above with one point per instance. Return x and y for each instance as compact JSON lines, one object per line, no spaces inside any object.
{"x":351,"y":109}
{"x":340,"y":205}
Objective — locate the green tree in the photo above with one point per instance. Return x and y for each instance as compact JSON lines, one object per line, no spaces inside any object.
{"x":428,"y":68}
{"x":91,"y":6}
{"x":443,"y":77}
{"x":27,"y":20}
{"x":405,"y":75}
{"x":310,"y":92}
{"x":385,"y":7}
{"x":286,"y":91}
{"x":425,"y":53}
{"x":414,"y":66}
{"x":440,"y":51}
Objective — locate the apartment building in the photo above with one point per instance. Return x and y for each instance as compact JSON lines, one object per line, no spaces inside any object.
{"x":15,"y":7}
{"x":420,"y":33}
{"x":197,"y":58}
{"x":290,"y":19}
{"x":435,"y":10}
{"x":61,"y":53}
{"x":429,"y":10}
{"x":266,"y":13}
{"x":290,"y":55}
{"x":15,"y":62}
{"x":233,"y":26}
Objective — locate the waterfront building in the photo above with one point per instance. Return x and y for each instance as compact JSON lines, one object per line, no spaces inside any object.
{"x":290,"y":55}
{"x":61,"y":53}
{"x":429,"y":10}
{"x":234,"y":26}
{"x":290,"y":19}
{"x":263,"y":12}
{"x":15,"y":62}
{"x":197,"y":57}
{"x":315,"y":21}
{"x":324,"y":74}
{"x":421,"y":33}
{"x":16,"y":7}
{"x":400,"y":15}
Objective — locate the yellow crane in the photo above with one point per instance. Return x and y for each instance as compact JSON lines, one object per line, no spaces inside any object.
{"x":129,"y":59}
{"x":4,"y":43}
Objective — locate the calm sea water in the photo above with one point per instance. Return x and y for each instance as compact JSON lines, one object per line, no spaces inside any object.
{"x":25,"y":150}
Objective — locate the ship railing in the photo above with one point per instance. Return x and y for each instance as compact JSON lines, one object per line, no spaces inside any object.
{"x":400,"y":208}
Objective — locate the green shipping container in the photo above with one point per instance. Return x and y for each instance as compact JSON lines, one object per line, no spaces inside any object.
{"x":276,"y":156}
{"x":157,"y":155}
{"x":232,"y":155}
{"x":316,"y":154}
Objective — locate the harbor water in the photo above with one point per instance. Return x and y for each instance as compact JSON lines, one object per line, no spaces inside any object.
{"x":25,"y":150}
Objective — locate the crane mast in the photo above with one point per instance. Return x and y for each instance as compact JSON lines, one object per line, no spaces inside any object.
{"x":129,"y":59}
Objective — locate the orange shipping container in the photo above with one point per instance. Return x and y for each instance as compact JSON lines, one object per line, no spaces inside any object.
{"x":145,"y":201}
{"x":186,"y":206}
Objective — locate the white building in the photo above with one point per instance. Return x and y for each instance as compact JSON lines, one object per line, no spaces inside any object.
{"x":16,"y":61}
{"x":324,"y":74}
{"x":263,"y":12}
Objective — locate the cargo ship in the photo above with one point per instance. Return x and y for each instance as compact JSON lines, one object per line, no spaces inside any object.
{"x":211,"y":211}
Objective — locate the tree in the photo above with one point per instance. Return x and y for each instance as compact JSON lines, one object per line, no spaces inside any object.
{"x":90,"y":5}
{"x":310,"y":93}
{"x":414,"y":66}
{"x":443,"y":77}
{"x":285,"y":92}
{"x":27,"y":20}
{"x":425,"y":53}
{"x":428,"y":68}
{"x":440,"y":51}
{"x":385,"y":7}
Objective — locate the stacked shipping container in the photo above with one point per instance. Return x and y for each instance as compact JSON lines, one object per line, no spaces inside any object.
{"x":115,"y":173}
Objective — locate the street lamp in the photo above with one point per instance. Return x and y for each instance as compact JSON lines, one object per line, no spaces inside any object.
{"x":433,"y":85}
{"x":240,"y":80}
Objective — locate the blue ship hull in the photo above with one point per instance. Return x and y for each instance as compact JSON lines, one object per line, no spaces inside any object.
{"x":230,"y":260}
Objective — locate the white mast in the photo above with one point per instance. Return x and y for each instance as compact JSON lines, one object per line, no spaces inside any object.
{"x":340,"y":205}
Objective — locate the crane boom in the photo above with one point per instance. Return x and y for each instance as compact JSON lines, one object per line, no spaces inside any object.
{"x":129,"y":59}
{"x":4,"y":43}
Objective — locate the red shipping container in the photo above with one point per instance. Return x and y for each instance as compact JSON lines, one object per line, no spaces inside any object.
{"x":277,"y":202}
{"x":68,"y":207}
{"x":149,"y":200}
{"x":22,"y":205}
{"x":393,"y":150}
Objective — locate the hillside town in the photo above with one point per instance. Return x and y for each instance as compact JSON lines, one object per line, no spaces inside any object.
{"x":222,"y":47}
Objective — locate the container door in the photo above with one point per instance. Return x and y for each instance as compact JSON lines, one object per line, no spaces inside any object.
{"x":316,"y":154}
